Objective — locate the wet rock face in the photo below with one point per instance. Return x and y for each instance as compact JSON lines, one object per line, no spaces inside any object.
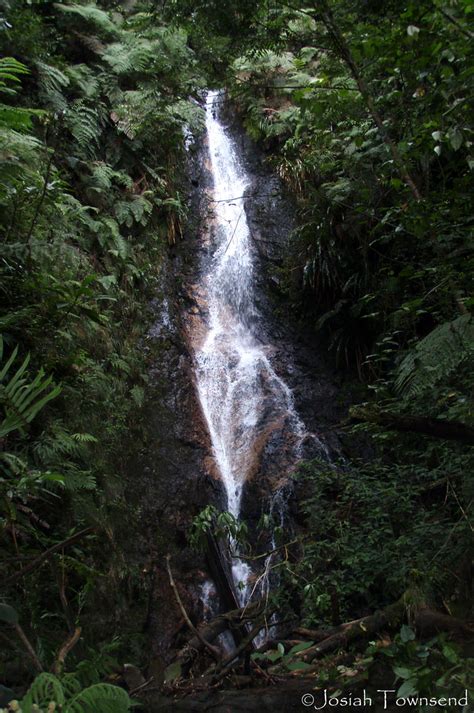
{"x":175,"y":476}
{"x":296,"y":355}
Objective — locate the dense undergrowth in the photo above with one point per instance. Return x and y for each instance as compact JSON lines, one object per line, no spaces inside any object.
{"x":363,"y":111}
{"x":93,"y":122}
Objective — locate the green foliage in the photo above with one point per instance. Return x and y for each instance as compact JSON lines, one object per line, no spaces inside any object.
{"x":21,"y":400}
{"x":379,"y":528}
{"x":436,"y":357}
{"x":436,"y":667}
{"x":223,"y":525}
{"x":286,"y":660}
{"x":92,"y":140}
{"x":48,"y":691}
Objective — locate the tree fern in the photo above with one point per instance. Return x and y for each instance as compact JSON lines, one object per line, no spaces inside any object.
{"x":436,"y":356}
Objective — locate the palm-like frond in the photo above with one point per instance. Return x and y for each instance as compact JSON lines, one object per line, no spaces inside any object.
{"x":436,"y":356}
{"x":91,"y":15}
{"x":51,"y":83}
{"x":22,"y":400}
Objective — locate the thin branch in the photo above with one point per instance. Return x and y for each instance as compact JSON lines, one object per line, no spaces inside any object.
{"x":212,"y":650}
{"x":266,"y":554}
{"x":69,"y":644}
{"x":44,"y":556}
{"x":26,"y":643}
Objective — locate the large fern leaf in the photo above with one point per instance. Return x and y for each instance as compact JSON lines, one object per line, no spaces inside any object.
{"x":51,"y":83}
{"x":85,"y":124}
{"x":100,"y":698}
{"x":91,"y":15}
{"x":436,"y":356}
{"x":45,"y":688}
{"x":22,"y":400}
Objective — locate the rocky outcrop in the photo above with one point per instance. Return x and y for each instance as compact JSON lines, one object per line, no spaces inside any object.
{"x":175,"y":477}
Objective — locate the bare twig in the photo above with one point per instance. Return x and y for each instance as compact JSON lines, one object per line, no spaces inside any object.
{"x":26,"y":643}
{"x":44,"y":556}
{"x":69,"y":644}
{"x":212,"y":650}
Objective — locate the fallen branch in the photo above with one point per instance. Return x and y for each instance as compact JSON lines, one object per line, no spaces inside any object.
{"x":434,"y":427}
{"x":230,"y":621}
{"x":422,"y":616}
{"x":38,"y":561}
{"x":212,"y":650}
{"x":222,"y":668}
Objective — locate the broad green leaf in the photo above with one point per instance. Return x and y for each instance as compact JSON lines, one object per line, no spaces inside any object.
{"x":172,"y":672}
{"x":406,"y":633}
{"x":298,"y":666}
{"x":408,"y":688}
{"x":300,"y":647}
{"x":8,"y":614}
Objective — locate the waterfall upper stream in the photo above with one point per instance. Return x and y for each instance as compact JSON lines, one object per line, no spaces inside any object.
{"x":238,"y":388}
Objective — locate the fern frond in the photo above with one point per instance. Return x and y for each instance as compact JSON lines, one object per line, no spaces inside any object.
{"x":45,"y":688}
{"x":137,"y":210}
{"x":21,"y":400}
{"x":103,"y":175}
{"x":101,"y":697}
{"x":10,"y":71}
{"x":436,"y":356}
{"x":85,"y":124}
{"x":51,"y":83}
{"x":84,"y":78}
{"x":48,"y":689}
{"x":133,"y":55}
{"x":92,"y":15}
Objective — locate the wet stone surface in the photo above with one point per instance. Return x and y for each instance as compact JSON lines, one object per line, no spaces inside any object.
{"x":175,"y":476}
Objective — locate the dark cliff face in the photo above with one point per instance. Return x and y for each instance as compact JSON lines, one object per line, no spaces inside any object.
{"x":170,"y":479}
{"x":296,"y":353}
{"x":175,"y":477}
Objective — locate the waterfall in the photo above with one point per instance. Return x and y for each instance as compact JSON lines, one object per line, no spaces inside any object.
{"x":238,"y":387}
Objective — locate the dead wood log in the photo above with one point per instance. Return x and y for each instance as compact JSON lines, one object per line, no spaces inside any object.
{"x":406,"y":423}
{"x":230,"y":621}
{"x":421,"y":616}
{"x":429,"y":621}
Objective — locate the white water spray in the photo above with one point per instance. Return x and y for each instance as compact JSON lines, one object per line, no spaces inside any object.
{"x":237,"y":385}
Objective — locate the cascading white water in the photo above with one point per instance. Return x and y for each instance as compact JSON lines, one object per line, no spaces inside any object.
{"x":237,"y":384}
